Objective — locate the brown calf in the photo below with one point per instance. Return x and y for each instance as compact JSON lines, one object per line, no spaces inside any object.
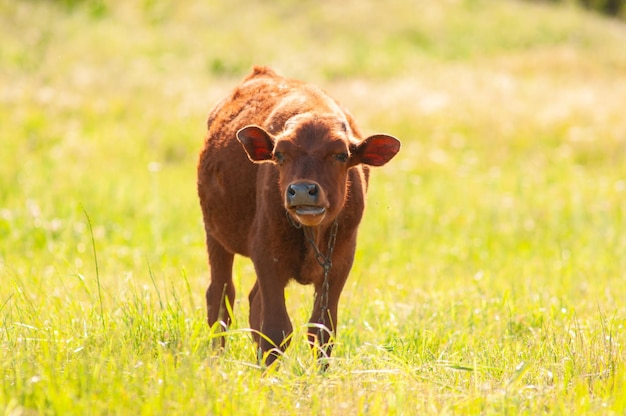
{"x":294,"y":211}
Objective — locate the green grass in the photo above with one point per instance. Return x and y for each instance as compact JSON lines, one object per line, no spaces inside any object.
{"x":490,"y":275}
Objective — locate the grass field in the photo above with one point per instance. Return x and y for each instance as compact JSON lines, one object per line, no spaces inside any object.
{"x":490,"y":275}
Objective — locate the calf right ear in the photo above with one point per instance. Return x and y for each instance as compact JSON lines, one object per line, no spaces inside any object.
{"x":258,"y":144}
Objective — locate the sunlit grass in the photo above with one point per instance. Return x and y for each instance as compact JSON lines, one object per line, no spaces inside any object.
{"x":490,"y":272}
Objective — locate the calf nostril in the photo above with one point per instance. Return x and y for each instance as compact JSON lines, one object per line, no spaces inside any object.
{"x":313,"y":190}
{"x":291,"y":190}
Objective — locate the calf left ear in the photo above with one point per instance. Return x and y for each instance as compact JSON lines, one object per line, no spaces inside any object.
{"x":257,"y":143}
{"x":376,"y":150}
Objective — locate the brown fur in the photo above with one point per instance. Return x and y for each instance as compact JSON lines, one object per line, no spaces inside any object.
{"x":297,"y":136}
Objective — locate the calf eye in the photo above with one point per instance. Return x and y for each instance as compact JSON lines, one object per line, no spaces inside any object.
{"x":278,"y":157}
{"x":342,"y":157}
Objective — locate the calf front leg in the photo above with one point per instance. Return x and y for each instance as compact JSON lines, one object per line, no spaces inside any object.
{"x":274,"y":325}
{"x":324,"y":321}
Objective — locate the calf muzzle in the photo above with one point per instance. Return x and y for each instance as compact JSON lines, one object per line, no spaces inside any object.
{"x":303,"y":200}
{"x":302,"y":194}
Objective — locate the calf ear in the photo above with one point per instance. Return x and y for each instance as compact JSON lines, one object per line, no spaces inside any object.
{"x":257,"y":143}
{"x":376,"y":150}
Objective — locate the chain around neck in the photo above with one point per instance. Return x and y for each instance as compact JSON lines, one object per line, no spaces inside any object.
{"x":324,"y":260}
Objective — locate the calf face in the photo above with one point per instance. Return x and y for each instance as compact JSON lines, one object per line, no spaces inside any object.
{"x":313,"y":155}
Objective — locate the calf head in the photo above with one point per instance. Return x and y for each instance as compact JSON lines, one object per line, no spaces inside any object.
{"x":313,"y":154}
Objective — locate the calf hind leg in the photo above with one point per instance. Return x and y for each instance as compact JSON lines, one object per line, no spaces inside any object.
{"x":255,"y":312}
{"x":221,"y":290}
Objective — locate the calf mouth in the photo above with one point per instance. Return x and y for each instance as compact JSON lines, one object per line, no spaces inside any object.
{"x":308,"y":215}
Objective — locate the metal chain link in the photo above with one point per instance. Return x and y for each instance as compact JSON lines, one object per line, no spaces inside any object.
{"x":323,"y":260}
{"x":326,"y":262}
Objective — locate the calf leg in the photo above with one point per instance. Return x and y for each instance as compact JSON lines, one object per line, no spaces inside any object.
{"x":221,"y":290}
{"x":323,"y":323}
{"x":255,"y":312}
{"x":275,"y":325}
